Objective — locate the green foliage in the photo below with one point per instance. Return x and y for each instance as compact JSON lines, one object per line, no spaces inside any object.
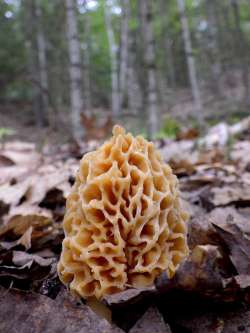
{"x":170,"y":129}
{"x":4,"y":132}
{"x":12,"y":50}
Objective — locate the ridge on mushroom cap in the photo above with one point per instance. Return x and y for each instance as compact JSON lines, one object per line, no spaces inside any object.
{"x":123,"y":224}
{"x":117,"y":129}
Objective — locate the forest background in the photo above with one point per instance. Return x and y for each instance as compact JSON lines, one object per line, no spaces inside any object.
{"x":69,"y":67}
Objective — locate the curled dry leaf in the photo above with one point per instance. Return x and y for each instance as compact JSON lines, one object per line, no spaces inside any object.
{"x":24,"y":240}
{"x":21,"y":258}
{"x":20,"y":222}
{"x":236,"y":193}
{"x":200,"y":273}
{"x":21,"y":153}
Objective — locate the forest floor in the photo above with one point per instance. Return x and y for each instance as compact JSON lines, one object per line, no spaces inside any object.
{"x":213,"y":297}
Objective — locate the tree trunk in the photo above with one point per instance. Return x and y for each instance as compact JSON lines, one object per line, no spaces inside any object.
{"x":74,"y":68}
{"x":86,"y":62}
{"x":242,"y":49}
{"x":42,"y":61}
{"x":114,"y":64}
{"x":146,"y":15}
{"x":190,"y":61}
{"x":212,"y":46}
{"x":134,"y":91}
{"x":124,"y":50}
{"x":167,"y":44}
{"x":31,"y":32}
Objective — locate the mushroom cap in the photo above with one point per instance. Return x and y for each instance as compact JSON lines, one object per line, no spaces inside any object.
{"x":124,"y":224}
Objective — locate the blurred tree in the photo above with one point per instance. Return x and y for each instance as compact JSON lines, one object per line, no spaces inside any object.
{"x":115,"y":94}
{"x":134,"y":91}
{"x":242,"y":48}
{"x":86,"y":60}
{"x":42,"y":60}
{"x":37,"y":71}
{"x":124,"y":50}
{"x":167,"y":42}
{"x":212,"y":46}
{"x":190,"y":61}
{"x":74,"y":68}
{"x":146,"y":14}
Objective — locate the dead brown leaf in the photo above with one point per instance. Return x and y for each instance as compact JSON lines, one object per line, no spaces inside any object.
{"x":236,"y":193}
{"x":21,"y":258}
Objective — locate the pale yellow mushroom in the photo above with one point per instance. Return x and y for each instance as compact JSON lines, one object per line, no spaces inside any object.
{"x":124,"y":224}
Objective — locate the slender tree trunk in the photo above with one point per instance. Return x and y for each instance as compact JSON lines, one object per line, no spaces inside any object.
{"x":140,"y":57}
{"x":133,"y":87}
{"x":74,"y":68}
{"x":150,"y":61}
{"x":31,"y":33}
{"x":33,"y":78}
{"x":212,"y":45}
{"x":42,"y":61}
{"x":190,"y":60}
{"x":86,"y":62}
{"x":242,"y":49}
{"x":114,"y":64}
{"x":167,"y":44}
{"x":124,"y":50}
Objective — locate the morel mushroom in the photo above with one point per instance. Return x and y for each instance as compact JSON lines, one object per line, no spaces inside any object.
{"x":123,"y":224}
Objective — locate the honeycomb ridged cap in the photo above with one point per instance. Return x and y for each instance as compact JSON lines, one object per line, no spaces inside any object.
{"x":124,"y":224}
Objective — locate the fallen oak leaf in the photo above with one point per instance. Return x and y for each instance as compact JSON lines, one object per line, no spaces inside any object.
{"x":12,"y":194}
{"x":182,"y":167}
{"x":31,"y":272}
{"x":23,"y":218}
{"x":48,"y":178}
{"x":238,"y":244}
{"x":237,"y":193}
{"x":202,"y":273}
{"x":24,"y":240}
{"x":21,"y":153}
{"x":21,"y":258}
{"x":45,"y":253}
{"x":12,"y":174}
{"x":233,"y":228}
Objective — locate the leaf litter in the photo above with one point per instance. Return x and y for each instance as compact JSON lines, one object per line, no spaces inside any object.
{"x":215,"y":186}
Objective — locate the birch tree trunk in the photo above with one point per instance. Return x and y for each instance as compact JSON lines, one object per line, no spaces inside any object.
{"x":124,"y":49}
{"x":212,"y":46}
{"x":86,"y":62}
{"x":42,"y":61}
{"x":146,"y":14}
{"x":31,"y":31}
{"x":167,"y":44}
{"x":74,"y":68}
{"x":190,"y":60}
{"x":242,"y":49}
{"x":114,"y":63}
{"x":133,"y":86}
